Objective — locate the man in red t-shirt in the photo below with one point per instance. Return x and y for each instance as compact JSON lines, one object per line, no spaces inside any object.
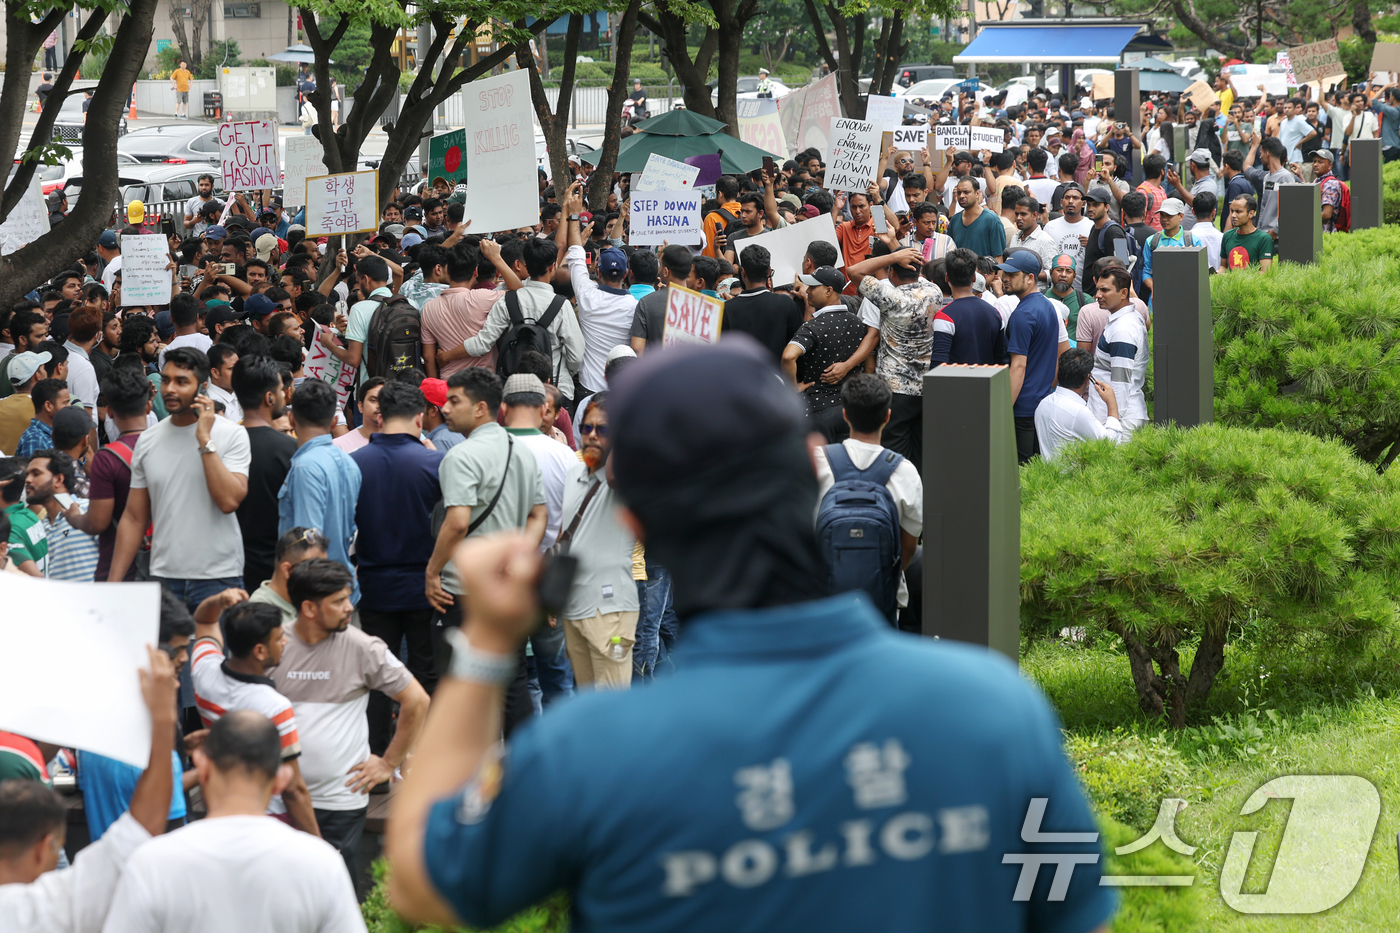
{"x":128,"y":396}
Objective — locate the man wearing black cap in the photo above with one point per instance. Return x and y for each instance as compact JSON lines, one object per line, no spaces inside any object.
{"x":1035,"y":338}
{"x":832,"y":334}
{"x":840,"y":780}
{"x":1104,"y":231}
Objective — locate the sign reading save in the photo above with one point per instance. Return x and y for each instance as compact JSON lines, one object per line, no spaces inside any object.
{"x":691,"y":317}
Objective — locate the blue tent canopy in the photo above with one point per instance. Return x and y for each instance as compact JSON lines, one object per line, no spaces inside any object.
{"x":1065,"y":42}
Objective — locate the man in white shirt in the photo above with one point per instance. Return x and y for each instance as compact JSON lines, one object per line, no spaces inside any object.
{"x":109,"y":250}
{"x":222,"y":358}
{"x":84,"y":330}
{"x":605,"y":308}
{"x":1064,"y":416}
{"x":1120,"y":358}
{"x":219,"y":874}
{"x":34,"y":897}
{"x":1029,"y":234}
{"x":1070,"y":231}
{"x":184,"y":315}
{"x":865,"y":405}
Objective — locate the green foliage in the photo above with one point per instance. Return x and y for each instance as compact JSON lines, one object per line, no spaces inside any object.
{"x":1126,"y":774}
{"x":1152,"y":909}
{"x":1175,"y":538}
{"x":352,"y":56}
{"x":221,"y":54}
{"x":552,"y":916}
{"x":1392,"y":192}
{"x":94,"y":62}
{"x":167,"y":60}
{"x":1314,"y":348}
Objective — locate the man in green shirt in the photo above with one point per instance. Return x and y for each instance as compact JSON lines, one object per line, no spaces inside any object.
{"x":297,"y":545}
{"x":1244,"y":244}
{"x":29,"y":544}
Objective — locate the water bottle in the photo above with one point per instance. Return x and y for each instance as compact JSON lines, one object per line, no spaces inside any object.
{"x":615,"y":650}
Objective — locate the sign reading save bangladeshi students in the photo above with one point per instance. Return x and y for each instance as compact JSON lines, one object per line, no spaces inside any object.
{"x":659,"y":217}
{"x":691,"y":317}
{"x":248,"y":155}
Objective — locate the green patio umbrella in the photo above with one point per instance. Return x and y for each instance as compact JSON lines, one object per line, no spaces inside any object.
{"x":738,"y":157}
{"x":681,"y":123}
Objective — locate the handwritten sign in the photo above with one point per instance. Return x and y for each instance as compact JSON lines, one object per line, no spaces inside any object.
{"x":1202,"y":95}
{"x":501,"y":151}
{"x":821,"y":105}
{"x":305,"y":158}
{"x":104,"y":629}
{"x":787,"y":247}
{"x":691,"y":317}
{"x":885,"y":112}
{"x":663,"y":174}
{"x":853,"y":161}
{"x":248,"y":153}
{"x":345,"y":203}
{"x":323,"y":365}
{"x":1286,"y":66}
{"x":1316,"y":60}
{"x":1247,"y":85}
{"x":145,"y":280}
{"x":952,"y":137}
{"x":761,"y":125}
{"x":447,"y":157}
{"x":988,"y":137}
{"x":27,"y":222}
{"x":665,"y":217}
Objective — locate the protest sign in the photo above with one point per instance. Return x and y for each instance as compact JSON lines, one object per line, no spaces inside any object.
{"x":1102,"y":87}
{"x":248,"y":154}
{"x":1202,"y":95}
{"x":663,"y":174}
{"x":711,"y":167}
{"x":145,"y":278}
{"x":821,"y":106}
{"x":912,"y":138}
{"x":321,"y":364}
{"x":1284,"y":65}
{"x":790,"y":119}
{"x":691,"y":317}
{"x":344,"y":203}
{"x":885,"y":112}
{"x":987,"y":137}
{"x":1316,"y":60}
{"x":86,"y":696}
{"x":1247,"y":85}
{"x":501,"y":149}
{"x":952,"y":137}
{"x":853,"y":161}
{"x":447,"y":157}
{"x":665,"y":217}
{"x":27,"y":222}
{"x":1386,"y":57}
{"x":787,"y":247}
{"x":305,"y":158}
{"x":760,"y":125}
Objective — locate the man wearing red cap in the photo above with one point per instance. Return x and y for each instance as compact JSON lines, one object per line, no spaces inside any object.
{"x":435,"y":426}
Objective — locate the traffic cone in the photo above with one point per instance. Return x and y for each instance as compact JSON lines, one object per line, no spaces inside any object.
{"x":131,"y":112}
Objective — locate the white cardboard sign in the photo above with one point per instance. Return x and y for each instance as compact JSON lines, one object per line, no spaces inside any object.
{"x":988,"y":137}
{"x":853,"y":157}
{"x":305,"y":158}
{"x":787,"y":247}
{"x":952,"y":137}
{"x":665,"y":217}
{"x":27,"y":222}
{"x":663,"y":174}
{"x":885,"y":112}
{"x":145,"y":280}
{"x":691,"y":317}
{"x":87,"y":695}
{"x":912,"y":138}
{"x":344,"y":203}
{"x":248,"y":154}
{"x":504,"y":193}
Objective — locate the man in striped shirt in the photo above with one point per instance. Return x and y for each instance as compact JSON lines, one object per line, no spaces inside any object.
{"x":224,"y":684}
{"x":72,"y":555}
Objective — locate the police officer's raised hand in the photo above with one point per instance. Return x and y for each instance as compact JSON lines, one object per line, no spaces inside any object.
{"x":498,"y":573}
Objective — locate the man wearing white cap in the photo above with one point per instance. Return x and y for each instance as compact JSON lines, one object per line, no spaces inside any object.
{"x":765,"y":87}
{"x":1172,"y":234}
{"x":26,"y":369}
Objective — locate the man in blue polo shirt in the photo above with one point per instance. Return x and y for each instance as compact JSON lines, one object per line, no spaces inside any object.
{"x":394,"y":514}
{"x":1035,"y":338}
{"x":821,"y":771}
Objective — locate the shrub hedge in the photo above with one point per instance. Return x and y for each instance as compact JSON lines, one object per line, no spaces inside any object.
{"x":1316,"y":348}
{"x":1168,"y":541}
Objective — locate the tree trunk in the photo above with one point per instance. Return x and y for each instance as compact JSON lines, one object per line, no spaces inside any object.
{"x":691,"y":72}
{"x":1361,"y":21}
{"x":200,"y":11}
{"x":1211,"y":38}
{"x":22,"y":41}
{"x":177,"y":26}
{"x":26,"y":268}
{"x":844,"y":60}
{"x":555,"y":125}
{"x":1159,"y":694}
{"x":732,"y":20}
{"x":890,"y":52}
{"x":601,"y":181}
{"x":1206,"y":666}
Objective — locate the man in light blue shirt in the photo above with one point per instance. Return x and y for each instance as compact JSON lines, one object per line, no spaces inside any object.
{"x":323,"y":484}
{"x":1294,"y":129}
{"x":1389,"y":109}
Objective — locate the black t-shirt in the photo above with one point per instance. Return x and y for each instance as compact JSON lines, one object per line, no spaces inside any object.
{"x":830,"y":337}
{"x":637,"y":95}
{"x":1110,"y":232}
{"x":271,"y":452}
{"x":768,"y":317}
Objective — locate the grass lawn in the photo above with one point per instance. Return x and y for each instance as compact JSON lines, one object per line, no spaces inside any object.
{"x":1271,"y":714}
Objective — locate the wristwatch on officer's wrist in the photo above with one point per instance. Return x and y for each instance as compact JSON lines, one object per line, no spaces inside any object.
{"x":574,"y":218}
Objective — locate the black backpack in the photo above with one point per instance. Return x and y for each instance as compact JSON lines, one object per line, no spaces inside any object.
{"x":394,"y":341}
{"x":522,"y":335}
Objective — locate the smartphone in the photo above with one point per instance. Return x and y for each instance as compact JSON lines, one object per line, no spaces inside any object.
{"x":770,"y":167}
{"x":204,"y":389}
{"x":230,"y":268}
{"x":64,"y":499}
{"x":1120,"y":249}
{"x":167,"y":226}
{"x":189,"y":272}
{"x":878,"y":216}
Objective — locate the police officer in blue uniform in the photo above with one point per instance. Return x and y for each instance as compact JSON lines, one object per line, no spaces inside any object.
{"x":805,"y":768}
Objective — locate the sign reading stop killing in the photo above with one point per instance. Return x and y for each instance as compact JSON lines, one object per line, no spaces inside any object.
{"x":248,"y":153}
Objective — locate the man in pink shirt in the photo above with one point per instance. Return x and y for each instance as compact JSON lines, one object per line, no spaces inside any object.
{"x":458,"y":313}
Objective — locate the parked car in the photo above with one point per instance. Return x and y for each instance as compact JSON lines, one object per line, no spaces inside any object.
{"x":68,"y":124}
{"x":174,"y":143}
{"x":747,"y":88}
{"x":909,"y":74}
{"x":53,"y":177}
{"x":154,"y":184}
{"x":935,"y":88}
